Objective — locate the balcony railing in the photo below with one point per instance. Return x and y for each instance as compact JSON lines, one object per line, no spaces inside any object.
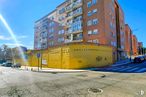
{"x":74,"y":32}
{"x":77,"y":4}
{"x":72,"y":41}
{"x":77,"y":14}
{"x":73,"y":5}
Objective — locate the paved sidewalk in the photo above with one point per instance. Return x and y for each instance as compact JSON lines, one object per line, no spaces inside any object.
{"x":51,"y":70}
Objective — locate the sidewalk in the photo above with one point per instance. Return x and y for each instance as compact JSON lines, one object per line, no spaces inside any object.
{"x":51,"y":70}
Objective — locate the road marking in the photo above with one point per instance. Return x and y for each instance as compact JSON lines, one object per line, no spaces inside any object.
{"x":129,"y":68}
{"x":142,"y":70}
{"x":124,"y":68}
{"x":134,"y":69}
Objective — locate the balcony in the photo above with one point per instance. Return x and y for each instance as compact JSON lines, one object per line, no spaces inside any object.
{"x":74,"y":15}
{"x":77,"y":4}
{"x":77,"y":14}
{"x":69,"y":17}
{"x":68,"y":41}
{"x":68,"y":25}
{"x":73,"y":41}
{"x":68,"y":32}
{"x":77,"y":31}
{"x":69,"y":2}
{"x":69,"y":8}
{"x":73,"y":5}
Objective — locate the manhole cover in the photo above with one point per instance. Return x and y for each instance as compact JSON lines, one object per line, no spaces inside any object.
{"x":95,"y":91}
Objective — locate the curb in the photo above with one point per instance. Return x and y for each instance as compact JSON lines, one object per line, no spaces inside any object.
{"x":63,"y":71}
{"x":54,"y":71}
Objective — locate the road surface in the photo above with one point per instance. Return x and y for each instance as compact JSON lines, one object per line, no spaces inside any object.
{"x":110,"y":83}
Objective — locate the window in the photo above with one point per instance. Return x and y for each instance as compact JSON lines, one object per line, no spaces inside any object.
{"x":94,"y":11}
{"x":61,"y":39}
{"x":94,"y":1}
{"x":89,"y":4}
{"x":95,"y":31}
{"x":61,"y":32}
{"x":61,"y":10}
{"x":89,"y":13}
{"x":113,"y":43}
{"x":51,"y":24}
{"x":51,"y":43}
{"x":89,"y":40}
{"x":122,"y":47}
{"x":51,"y":30}
{"x":96,"y":41}
{"x":89,"y":23}
{"x":95,"y":21}
{"x":89,"y":32}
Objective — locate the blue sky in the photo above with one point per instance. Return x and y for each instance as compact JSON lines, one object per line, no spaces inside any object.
{"x":21,"y":15}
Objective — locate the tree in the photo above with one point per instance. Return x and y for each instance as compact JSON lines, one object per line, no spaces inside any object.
{"x":5,"y":52}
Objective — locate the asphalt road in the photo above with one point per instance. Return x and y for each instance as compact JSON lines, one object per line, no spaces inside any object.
{"x":19,"y":83}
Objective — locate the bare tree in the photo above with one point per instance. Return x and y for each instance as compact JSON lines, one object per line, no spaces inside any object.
{"x":5,"y":52}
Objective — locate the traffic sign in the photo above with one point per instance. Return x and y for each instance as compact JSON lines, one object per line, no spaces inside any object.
{"x":38,"y":55}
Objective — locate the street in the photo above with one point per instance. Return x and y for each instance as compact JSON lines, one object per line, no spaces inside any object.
{"x":107,"y":82}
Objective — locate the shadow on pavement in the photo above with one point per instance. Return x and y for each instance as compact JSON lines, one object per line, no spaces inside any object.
{"x":128,"y":68}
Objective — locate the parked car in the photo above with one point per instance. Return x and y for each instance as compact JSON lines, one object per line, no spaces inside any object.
{"x":3,"y":64}
{"x":145,"y":57}
{"x":8,"y":65}
{"x":16,"y":66}
{"x":139,"y":59}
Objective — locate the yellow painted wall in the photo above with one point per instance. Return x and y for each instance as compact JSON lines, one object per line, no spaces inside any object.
{"x":74,"y":57}
{"x":86,"y":56}
{"x":19,"y":61}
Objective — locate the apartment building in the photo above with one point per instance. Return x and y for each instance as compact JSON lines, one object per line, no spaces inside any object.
{"x":128,"y":39}
{"x":140,"y":48}
{"x":48,"y":32}
{"x":135,"y":45}
{"x":83,"y":21}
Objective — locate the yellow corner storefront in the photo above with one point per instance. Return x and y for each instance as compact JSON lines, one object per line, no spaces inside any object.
{"x":73,"y":56}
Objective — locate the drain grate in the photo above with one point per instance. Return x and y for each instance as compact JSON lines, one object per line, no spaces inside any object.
{"x":95,"y":91}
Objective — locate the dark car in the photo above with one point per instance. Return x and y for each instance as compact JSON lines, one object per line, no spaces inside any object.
{"x":145,"y":57}
{"x":3,"y":64}
{"x":8,"y":64}
{"x":16,"y":66}
{"x":139,"y":59}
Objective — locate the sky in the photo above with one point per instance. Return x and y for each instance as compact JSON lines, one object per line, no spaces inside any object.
{"x":21,"y":15}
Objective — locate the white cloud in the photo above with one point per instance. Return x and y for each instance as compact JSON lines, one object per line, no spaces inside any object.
{"x":10,"y":38}
{"x":14,"y":44}
{"x":5,"y":38}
